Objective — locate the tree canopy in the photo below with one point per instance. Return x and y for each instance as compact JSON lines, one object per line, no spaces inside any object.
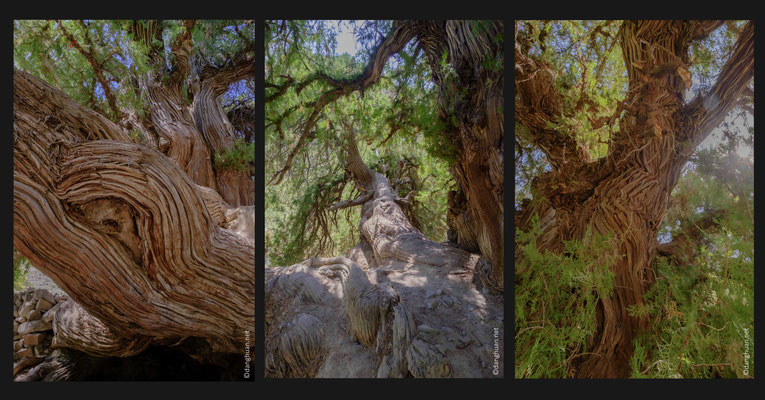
{"x":99,"y":63}
{"x":312,"y":93}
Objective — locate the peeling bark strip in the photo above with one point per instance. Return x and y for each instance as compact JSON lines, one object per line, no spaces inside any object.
{"x":627,"y":192}
{"x":399,"y":305}
{"x":122,"y":229}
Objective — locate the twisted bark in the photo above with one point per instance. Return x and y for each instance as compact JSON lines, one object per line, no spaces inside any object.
{"x":122,"y":229}
{"x":179,"y":137}
{"x":193,"y":135}
{"x":398,"y":305}
{"x":235,"y":187}
{"x":476,"y":211}
{"x":74,"y":328}
{"x":626,"y":193}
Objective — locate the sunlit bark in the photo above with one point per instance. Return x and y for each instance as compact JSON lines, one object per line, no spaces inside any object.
{"x":124,"y":231}
{"x":398,"y":305}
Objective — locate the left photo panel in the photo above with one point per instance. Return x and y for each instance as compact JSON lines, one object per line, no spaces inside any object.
{"x":133,"y":200}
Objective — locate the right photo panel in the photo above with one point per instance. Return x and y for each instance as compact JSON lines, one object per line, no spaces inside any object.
{"x":634,"y":199}
{"x":384,"y":190}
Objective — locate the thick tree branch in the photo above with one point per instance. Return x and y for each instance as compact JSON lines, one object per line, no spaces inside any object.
{"x":181,"y":48}
{"x":707,"y":112}
{"x":682,"y":248}
{"x":242,"y":118}
{"x":350,"y":203}
{"x":704,"y":28}
{"x":240,"y":66}
{"x":121,"y":228}
{"x":211,"y":121}
{"x":74,"y":328}
{"x":538,"y":104}
{"x":655,"y":53}
{"x":402,"y":33}
{"x":360,"y":172}
{"x":149,"y":33}
{"x":290,"y":82}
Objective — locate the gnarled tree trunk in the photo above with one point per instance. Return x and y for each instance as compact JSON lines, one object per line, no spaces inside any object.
{"x":235,"y":187}
{"x":179,"y":137}
{"x":194,"y":132}
{"x":472,"y":105}
{"x":625,"y":193}
{"x":142,"y":248}
{"x":398,"y":305}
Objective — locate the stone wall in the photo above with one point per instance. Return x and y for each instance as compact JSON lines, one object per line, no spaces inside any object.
{"x":33,"y":311}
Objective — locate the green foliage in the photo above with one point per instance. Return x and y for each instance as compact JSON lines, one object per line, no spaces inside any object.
{"x":555,"y":301}
{"x":238,"y":157}
{"x":137,"y":136}
{"x":414,"y":172}
{"x":20,"y":268}
{"x":41,"y":48}
{"x":438,"y":143}
{"x":590,"y":76}
{"x":702,"y":316}
{"x":305,"y":235}
{"x":396,"y":119}
{"x":703,"y":313}
{"x":217,"y":40}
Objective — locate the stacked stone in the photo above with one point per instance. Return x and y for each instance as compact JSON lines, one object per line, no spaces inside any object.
{"x":33,"y":311}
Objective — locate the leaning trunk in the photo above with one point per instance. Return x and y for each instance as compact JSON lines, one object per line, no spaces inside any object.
{"x":399,"y":305}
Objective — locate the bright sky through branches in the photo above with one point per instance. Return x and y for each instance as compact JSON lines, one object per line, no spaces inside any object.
{"x":739,"y":123}
{"x":346,"y":40}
